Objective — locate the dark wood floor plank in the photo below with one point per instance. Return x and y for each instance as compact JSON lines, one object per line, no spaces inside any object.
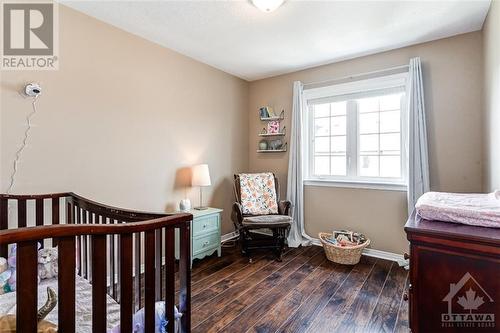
{"x":385,"y":314}
{"x":221,"y":274}
{"x":402,"y":324}
{"x":240,"y":296}
{"x":329,"y":318}
{"x":220,"y":300}
{"x":252,"y":306}
{"x":359,"y":313}
{"x":200,"y":298}
{"x":305,"y":314}
{"x":284,"y":306}
{"x":201,"y":274}
{"x":303,"y":293}
{"x":284,"y":309}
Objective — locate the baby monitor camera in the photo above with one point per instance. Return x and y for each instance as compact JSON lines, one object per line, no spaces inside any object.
{"x":32,"y":90}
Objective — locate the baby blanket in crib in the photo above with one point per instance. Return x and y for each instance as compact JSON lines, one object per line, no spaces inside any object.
{"x":472,"y":209}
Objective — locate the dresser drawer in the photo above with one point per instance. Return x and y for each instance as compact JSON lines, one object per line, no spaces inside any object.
{"x":205,"y":224}
{"x":205,"y":243}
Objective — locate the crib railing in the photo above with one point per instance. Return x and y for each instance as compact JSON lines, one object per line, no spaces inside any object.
{"x":118,"y":250}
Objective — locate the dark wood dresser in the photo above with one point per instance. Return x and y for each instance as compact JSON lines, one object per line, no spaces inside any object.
{"x":454,"y":277}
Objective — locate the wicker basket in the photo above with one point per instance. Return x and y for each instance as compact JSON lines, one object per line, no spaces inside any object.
{"x":347,"y":255}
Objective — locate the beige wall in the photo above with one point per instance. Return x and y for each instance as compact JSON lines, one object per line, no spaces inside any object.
{"x":453,"y":85}
{"x":120,"y":117}
{"x":491,"y":41}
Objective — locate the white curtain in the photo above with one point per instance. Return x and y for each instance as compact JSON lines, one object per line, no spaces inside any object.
{"x":418,"y":161}
{"x":295,"y":184}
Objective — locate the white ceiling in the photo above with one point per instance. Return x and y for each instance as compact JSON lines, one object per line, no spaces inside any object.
{"x":239,"y":39}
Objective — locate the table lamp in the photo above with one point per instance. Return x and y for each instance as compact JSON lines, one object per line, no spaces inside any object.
{"x":201,"y":178}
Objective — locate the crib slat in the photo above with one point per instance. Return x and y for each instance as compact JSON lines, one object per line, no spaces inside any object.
{"x":4,"y":224}
{"x":39,"y":212}
{"x":27,"y":277}
{"x":170,"y":277}
{"x":84,"y":247}
{"x":111,"y":261}
{"x":89,"y":242}
{"x":69,"y":213}
{"x":55,"y":211}
{"x":137,"y":271}
{"x":126,"y":297}
{"x":55,"y":216}
{"x":66,"y":285}
{"x":149,"y":282}
{"x":98,"y":283}
{"x":158,"y":250}
{"x":117,"y":281}
{"x":78,"y":241}
{"x":185,"y":277}
{"x":21,"y":213}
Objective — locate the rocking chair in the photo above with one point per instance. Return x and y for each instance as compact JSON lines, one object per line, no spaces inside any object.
{"x":260,"y":209}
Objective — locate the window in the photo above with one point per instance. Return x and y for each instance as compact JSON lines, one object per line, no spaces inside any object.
{"x":355,"y":133}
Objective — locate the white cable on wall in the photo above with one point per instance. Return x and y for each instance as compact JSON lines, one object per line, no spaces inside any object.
{"x":24,"y":144}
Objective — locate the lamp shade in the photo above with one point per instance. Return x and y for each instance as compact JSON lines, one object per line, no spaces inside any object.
{"x":200,"y":175}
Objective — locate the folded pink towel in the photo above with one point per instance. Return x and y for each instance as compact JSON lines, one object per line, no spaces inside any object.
{"x":473,"y":209}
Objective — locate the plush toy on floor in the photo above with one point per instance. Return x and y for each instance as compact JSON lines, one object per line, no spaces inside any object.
{"x":8,"y":322}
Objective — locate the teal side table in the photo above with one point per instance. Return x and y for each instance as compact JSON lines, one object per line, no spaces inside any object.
{"x":205,"y":233}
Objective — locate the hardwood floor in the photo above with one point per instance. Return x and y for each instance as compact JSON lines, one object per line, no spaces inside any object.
{"x":303,"y":293}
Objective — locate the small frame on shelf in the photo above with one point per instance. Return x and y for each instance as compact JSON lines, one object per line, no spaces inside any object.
{"x":281,"y":132}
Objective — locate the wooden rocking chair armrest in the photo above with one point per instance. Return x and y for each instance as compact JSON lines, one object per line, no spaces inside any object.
{"x":284,"y":207}
{"x":237,"y":213}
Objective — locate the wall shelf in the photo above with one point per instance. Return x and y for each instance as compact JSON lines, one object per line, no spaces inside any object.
{"x":271,"y":150}
{"x":275,"y":134}
{"x":272,"y":118}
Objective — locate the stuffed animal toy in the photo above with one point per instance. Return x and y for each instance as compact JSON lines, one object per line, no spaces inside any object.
{"x":12,"y":263}
{"x":11,"y":283}
{"x":47,"y":263}
{"x":160,"y":321}
{"x":5,"y":274}
{"x":8,"y":322}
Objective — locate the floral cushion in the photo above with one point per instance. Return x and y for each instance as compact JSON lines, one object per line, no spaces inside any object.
{"x":258,"y":193}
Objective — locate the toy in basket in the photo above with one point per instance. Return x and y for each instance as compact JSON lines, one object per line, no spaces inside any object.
{"x":343,"y":247}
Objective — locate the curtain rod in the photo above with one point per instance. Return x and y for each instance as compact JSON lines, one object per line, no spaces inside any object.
{"x":357,"y":75}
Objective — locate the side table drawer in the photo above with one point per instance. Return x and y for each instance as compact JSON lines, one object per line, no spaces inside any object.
{"x":205,"y":224}
{"x":206,"y":242}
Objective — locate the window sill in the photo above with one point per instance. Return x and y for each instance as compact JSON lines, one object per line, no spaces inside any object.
{"x":357,"y":184}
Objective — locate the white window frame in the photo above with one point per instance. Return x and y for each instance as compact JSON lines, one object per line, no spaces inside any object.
{"x":357,"y":89}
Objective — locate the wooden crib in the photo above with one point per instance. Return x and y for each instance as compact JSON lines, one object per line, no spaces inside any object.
{"x":108,"y":243}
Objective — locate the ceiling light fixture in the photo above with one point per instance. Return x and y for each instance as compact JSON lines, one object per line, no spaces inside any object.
{"x":267,"y":6}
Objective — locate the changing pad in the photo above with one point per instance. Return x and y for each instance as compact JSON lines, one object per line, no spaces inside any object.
{"x":472,"y":209}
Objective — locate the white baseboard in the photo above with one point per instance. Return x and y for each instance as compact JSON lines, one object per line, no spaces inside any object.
{"x":373,"y":253}
{"x":383,"y":255}
{"x":229,"y":236}
{"x":366,"y":252}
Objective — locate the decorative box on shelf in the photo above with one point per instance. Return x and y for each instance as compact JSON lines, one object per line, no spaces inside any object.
{"x":205,"y":232}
